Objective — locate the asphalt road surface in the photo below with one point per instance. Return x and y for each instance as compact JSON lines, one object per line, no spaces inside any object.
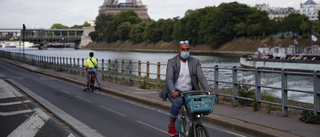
{"x":105,"y":114}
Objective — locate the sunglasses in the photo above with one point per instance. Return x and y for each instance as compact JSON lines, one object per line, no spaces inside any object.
{"x":186,"y":41}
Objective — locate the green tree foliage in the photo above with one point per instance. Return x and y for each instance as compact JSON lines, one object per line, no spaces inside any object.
{"x":59,"y":26}
{"x":209,"y":25}
{"x":293,"y":23}
{"x":120,"y":21}
{"x":123,"y":31}
{"x":136,"y":32}
{"x":102,"y":21}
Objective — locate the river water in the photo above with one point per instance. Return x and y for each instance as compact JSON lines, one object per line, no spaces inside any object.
{"x":222,"y":60}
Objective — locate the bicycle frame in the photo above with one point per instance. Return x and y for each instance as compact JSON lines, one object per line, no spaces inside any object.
{"x":91,"y":81}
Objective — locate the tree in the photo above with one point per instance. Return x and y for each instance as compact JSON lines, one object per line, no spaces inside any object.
{"x":59,"y":26}
{"x":293,"y":21}
{"x":240,"y":29}
{"x":123,"y":31}
{"x":102,"y":21}
{"x":136,"y":32}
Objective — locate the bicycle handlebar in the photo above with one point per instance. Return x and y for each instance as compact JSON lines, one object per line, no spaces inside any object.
{"x":194,"y":92}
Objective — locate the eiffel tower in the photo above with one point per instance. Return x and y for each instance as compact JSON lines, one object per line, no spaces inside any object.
{"x":114,"y":7}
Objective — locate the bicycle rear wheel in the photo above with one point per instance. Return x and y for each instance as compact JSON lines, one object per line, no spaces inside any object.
{"x":201,"y":131}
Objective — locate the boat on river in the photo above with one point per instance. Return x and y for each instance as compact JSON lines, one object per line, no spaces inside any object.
{"x":284,"y":58}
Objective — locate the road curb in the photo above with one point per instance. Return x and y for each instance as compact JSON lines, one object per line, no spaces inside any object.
{"x":223,"y":121}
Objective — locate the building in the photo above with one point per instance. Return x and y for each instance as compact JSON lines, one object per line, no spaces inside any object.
{"x":114,"y":7}
{"x":275,"y":12}
{"x":310,"y":9}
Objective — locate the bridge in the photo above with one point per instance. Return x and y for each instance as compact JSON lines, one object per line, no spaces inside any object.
{"x":42,"y":36}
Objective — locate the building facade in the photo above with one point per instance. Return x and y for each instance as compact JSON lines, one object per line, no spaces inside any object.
{"x":275,"y":12}
{"x":310,"y":9}
{"x":114,"y":7}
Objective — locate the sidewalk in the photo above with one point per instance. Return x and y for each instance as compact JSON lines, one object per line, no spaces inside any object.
{"x":242,"y":119}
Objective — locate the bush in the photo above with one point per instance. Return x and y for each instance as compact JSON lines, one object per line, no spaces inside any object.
{"x":308,"y":117}
{"x":245,"y":91}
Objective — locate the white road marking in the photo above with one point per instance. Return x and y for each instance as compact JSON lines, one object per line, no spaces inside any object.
{"x":152,"y":127}
{"x":65,"y":91}
{"x":7,"y":91}
{"x":15,"y":112}
{"x":113,"y":111}
{"x":30,"y":127}
{"x":51,"y":86}
{"x":84,"y":99}
{"x":14,"y":103}
{"x":226,"y":131}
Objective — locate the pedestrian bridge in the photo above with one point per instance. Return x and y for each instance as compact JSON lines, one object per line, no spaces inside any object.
{"x":42,"y":36}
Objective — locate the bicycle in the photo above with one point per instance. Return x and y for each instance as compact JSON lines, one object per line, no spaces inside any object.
{"x":91,"y":81}
{"x":198,"y":103}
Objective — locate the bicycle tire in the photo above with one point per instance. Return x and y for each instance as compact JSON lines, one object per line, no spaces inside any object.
{"x":201,"y":131}
{"x":92,"y":84}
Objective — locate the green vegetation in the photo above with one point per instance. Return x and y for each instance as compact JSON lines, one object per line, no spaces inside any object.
{"x":60,"y":26}
{"x":210,"y":25}
{"x":245,"y":91}
{"x":308,"y":117}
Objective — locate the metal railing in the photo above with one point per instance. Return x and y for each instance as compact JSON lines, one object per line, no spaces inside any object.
{"x":128,"y":72}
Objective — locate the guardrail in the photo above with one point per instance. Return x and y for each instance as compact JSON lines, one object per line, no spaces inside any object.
{"x":128,"y":72}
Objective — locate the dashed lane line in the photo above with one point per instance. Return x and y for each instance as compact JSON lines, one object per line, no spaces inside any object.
{"x":152,"y":127}
{"x":84,"y":99}
{"x":65,"y":91}
{"x":113,"y":111}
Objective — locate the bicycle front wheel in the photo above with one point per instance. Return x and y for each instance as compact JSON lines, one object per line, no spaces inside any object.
{"x":200,"y":131}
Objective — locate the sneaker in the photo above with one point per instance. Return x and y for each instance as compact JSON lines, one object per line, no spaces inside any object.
{"x":85,"y":88}
{"x":172,"y":130}
{"x":99,"y":85}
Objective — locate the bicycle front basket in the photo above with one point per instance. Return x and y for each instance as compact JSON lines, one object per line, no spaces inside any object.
{"x":200,"y":103}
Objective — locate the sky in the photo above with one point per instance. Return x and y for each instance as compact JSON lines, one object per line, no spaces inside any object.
{"x":45,"y":13}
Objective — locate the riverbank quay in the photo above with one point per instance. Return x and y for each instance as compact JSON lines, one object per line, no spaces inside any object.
{"x":240,"y":119}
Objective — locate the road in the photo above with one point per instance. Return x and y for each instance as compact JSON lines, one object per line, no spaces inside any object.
{"x":104,"y":113}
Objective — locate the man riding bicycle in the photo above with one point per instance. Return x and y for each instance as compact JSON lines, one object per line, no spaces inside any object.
{"x":184,"y":73}
{"x":91,"y":63}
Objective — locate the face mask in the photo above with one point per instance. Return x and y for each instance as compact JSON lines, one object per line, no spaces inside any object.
{"x":184,"y":55}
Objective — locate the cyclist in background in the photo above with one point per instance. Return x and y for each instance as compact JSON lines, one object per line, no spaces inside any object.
{"x":91,"y":64}
{"x":184,"y":73}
